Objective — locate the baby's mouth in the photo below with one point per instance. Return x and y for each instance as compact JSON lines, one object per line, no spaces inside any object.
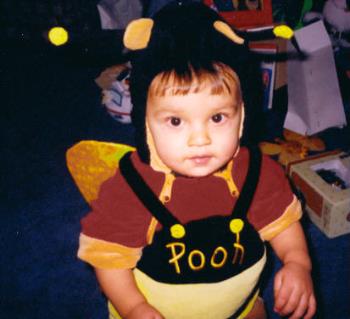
{"x":200,"y":160}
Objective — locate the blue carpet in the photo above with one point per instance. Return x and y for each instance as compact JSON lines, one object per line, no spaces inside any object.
{"x":48,"y":104}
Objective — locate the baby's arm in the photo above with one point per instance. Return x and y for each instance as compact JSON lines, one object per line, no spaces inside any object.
{"x":293,"y":287}
{"x":120,"y":288}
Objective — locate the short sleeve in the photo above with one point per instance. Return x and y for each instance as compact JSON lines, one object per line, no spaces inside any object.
{"x":114,"y":231}
{"x":107,"y":255}
{"x":274,"y":206}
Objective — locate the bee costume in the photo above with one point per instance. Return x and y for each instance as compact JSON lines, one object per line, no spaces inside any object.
{"x":196,"y":245}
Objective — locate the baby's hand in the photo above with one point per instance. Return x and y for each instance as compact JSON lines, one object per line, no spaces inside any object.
{"x":294,"y":292}
{"x":144,"y":311}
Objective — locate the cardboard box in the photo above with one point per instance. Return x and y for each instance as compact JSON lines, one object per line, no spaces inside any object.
{"x":327,"y":203}
{"x":280,"y":46}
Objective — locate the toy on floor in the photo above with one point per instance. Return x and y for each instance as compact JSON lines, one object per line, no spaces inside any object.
{"x":293,"y":147}
{"x":114,"y":82}
{"x":336,"y":15}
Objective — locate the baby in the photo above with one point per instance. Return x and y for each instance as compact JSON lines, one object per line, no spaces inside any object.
{"x":179,"y":231}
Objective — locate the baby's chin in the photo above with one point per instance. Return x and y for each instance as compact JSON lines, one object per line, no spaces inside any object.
{"x":196,"y":167}
{"x":196,"y":173}
{"x":191,"y":175}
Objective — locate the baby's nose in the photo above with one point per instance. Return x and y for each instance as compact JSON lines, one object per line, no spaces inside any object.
{"x":199,"y":137}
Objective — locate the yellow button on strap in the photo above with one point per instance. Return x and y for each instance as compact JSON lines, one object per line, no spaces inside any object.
{"x":236,"y":225}
{"x":177,"y":231}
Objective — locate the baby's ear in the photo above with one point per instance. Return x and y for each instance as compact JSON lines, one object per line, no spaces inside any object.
{"x":138,"y":34}
{"x":226,"y":30}
{"x":241,"y":124}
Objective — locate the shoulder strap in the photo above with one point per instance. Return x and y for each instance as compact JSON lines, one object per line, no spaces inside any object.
{"x":251,"y":181}
{"x":163,"y":215}
{"x":145,"y":194}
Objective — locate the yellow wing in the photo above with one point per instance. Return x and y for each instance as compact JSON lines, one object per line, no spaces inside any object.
{"x":91,"y":163}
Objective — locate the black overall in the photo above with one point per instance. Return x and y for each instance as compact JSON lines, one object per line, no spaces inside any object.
{"x":210,"y":250}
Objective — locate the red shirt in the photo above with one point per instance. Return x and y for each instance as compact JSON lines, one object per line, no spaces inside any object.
{"x":118,"y":216}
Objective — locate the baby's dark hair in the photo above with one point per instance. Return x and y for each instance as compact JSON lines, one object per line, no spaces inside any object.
{"x":220,"y":80}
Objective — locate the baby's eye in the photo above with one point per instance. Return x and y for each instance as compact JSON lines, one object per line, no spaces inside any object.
{"x":217,"y":118}
{"x":175,"y":121}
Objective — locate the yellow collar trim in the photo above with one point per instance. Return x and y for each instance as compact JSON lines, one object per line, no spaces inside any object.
{"x":226,"y":174}
{"x":165,"y":194}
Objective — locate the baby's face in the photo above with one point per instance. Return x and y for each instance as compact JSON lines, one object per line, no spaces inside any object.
{"x":194,"y":134}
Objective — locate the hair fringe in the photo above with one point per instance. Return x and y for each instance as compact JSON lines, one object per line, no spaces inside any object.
{"x":221,"y":80}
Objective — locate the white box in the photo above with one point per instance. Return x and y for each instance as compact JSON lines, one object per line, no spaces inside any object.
{"x":314,"y":98}
{"x":327,"y":204}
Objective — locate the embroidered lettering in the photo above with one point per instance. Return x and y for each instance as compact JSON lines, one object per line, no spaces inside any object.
{"x":236,"y":226}
{"x":176,"y":255}
{"x":201,"y":260}
{"x":218,"y":264}
{"x":196,"y":259}
{"x":239,"y":250}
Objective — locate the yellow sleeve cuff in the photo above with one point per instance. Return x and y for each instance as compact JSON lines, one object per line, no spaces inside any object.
{"x":291,"y":214}
{"x":107,"y":255}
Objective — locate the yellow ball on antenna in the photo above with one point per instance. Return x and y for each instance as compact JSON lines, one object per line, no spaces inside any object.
{"x":283,"y":31}
{"x":58,"y":36}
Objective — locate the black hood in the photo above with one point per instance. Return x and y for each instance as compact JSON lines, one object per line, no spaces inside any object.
{"x":183,"y":35}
